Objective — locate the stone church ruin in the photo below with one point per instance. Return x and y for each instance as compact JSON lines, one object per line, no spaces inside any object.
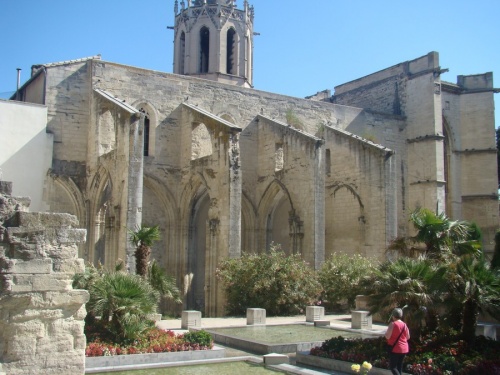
{"x":224,"y":168}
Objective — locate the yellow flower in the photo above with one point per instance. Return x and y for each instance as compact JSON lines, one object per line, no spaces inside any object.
{"x":355,"y":368}
{"x":367,"y":366}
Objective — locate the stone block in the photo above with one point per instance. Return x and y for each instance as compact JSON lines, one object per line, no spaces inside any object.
{"x":361,"y":320}
{"x":41,"y":283}
{"x":314,"y":313}
{"x":190,"y":319}
{"x":46,"y":220}
{"x":69,"y":266}
{"x":76,"y":235}
{"x":34,"y":266}
{"x":71,"y":297}
{"x":256,"y":316}
{"x":275,"y":359}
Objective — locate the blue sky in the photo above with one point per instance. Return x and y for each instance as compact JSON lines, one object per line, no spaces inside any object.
{"x":305,"y":46}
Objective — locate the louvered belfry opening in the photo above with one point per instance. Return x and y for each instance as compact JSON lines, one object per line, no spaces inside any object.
{"x":231,"y":39}
{"x":204,"y":49}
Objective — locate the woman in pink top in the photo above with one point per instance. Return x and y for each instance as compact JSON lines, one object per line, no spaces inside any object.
{"x":397,"y":336}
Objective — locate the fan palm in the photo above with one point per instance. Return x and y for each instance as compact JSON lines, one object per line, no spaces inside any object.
{"x":143,"y":238}
{"x":471,"y":283}
{"x":401,"y":283}
{"x":124,"y":298}
{"x":441,"y":237}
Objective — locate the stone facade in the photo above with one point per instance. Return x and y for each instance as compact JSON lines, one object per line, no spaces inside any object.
{"x":41,"y":325}
{"x":223,"y":168}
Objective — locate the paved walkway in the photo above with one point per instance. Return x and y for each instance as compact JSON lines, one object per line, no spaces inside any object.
{"x":336,"y":321}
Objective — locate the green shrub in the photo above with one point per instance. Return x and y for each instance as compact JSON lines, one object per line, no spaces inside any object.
{"x":202,"y":338}
{"x":281,"y":284}
{"x":340,"y":276}
{"x":121,"y":300}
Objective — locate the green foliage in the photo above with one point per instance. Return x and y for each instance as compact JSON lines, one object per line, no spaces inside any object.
{"x":470,"y":283}
{"x":145,"y":235}
{"x":402,"y":283}
{"x":203,"y":338}
{"x":443,"y":236}
{"x":438,"y":237}
{"x":436,"y":353}
{"x":154,"y":340}
{"x":163,"y":283}
{"x":340,"y":276}
{"x":293,"y":120}
{"x":143,"y":238}
{"x":121,"y":300}
{"x":495,"y":262}
{"x":125,"y":299}
{"x":281,"y":284}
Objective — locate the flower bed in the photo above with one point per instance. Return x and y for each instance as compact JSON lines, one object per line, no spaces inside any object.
{"x":155,"y":346}
{"x":433,"y":355}
{"x":154,"y":341}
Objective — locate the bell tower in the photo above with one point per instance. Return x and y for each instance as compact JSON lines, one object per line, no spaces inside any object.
{"x":214,"y":40}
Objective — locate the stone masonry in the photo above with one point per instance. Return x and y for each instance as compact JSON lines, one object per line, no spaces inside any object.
{"x":41,"y":316}
{"x":223,"y":168}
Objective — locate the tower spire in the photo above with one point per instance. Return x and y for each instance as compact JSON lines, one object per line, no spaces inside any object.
{"x":214,"y":40}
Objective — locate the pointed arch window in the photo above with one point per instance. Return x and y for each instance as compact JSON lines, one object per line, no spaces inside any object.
{"x":147,"y":123}
{"x":182,"y":52}
{"x":230,"y":53}
{"x":204,"y":49}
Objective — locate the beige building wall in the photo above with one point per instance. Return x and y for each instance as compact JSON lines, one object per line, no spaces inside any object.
{"x":25,"y":150}
{"x":448,"y":156}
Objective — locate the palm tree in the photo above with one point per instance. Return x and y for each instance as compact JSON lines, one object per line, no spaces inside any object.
{"x":476,"y":287}
{"x":163,"y":283}
{"x":402,"y":283}
{"x":143,"y":238}
{"x":441,"y":237}
{"x":124,"y":300}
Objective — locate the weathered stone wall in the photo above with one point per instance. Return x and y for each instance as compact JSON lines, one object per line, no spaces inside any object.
{"x":41,"y":316}
{"x":449,"y":152}
{"x":359,"y":187}
{"x":470,"y":136}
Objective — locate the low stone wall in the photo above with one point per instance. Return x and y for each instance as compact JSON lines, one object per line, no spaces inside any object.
{"x":305,"y":358}
{"x":41,"y":316}
{"x":96,"y":364}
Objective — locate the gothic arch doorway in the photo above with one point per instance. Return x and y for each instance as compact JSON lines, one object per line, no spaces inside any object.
{"x":278,"y":231}
{"x":197,"y":249}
